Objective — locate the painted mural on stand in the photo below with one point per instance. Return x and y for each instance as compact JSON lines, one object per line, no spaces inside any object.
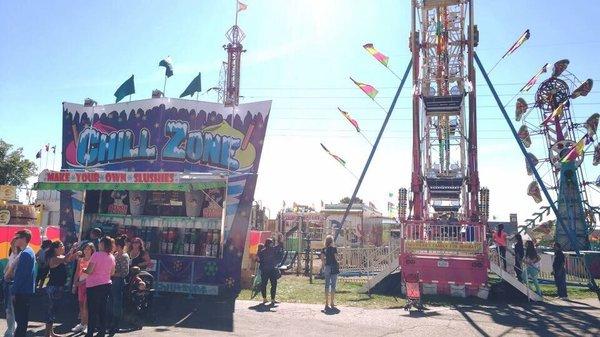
{"x":173,"y":135}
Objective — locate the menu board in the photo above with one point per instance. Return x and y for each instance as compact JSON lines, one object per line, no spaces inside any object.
{"x":165,"y":203}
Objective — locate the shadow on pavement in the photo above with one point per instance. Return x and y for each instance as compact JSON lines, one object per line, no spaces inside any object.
{"x":543,"y":319}
{"x":169,"y":311}
{"x":261,"y":307}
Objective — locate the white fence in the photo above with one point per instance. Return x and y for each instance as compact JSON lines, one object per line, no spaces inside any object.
{"x":575,"y":267}
{"x":366,"y":261}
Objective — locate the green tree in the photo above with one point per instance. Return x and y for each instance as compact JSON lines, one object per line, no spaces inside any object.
{"x":346,"y":200}
{"x":14,"y":168}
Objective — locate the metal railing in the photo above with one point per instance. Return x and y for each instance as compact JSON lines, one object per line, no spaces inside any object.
{"x":511,"y":268}
{"x":366,"y":261}
{"x":443,"y":238}
{"x":576,"y":270}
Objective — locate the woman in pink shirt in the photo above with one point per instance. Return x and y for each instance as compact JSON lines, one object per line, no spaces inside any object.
{"x":100,"y":268}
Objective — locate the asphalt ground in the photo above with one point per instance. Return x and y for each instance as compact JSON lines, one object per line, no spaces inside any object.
{"x":183,"y":316}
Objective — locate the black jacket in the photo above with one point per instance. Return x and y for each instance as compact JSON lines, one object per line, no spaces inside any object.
{"x":559,"y":260}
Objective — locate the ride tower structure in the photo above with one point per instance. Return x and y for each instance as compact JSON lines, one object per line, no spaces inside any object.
{"x":556,"y":156}
{"x":444,"y":235}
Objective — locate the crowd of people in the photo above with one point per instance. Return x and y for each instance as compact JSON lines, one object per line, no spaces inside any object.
{"x":527,"y":261}
{"x":103,"y":274}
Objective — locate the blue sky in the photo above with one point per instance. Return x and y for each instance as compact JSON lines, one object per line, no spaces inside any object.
{"x":299,"y":54}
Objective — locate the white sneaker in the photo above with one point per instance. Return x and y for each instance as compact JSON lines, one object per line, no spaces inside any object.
{"x":79,"y":328}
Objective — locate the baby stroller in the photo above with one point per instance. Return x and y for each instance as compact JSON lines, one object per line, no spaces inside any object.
{"x":413,"y":293}
{"x":139,"y":293}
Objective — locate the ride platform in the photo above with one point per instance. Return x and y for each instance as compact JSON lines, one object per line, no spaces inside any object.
{"x":449,"y":257}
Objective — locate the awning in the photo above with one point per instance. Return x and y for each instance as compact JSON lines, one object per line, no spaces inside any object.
{"x":132,"y":181}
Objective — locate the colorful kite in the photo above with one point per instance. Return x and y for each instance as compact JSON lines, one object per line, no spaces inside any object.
{"x":520,"y":108}
{"x":376,"y":54}
{"x":559,"y":67}
{"x":591,"y":124}
{"x":350,"y":119}
{"x":583,"y":89}
{"x":367,"y":89}
{"x":533,"y":190}
{"x":556,"y":115}
{"x":339,"y":160}
{"x":524,"y":136}
{"x":534,"y":79}
{"x":577,"y":149}
{"x":524,"y":37}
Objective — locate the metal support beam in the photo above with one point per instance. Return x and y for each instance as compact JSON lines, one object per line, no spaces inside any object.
{"x":364,"y":171}
{"x":473,"y":170}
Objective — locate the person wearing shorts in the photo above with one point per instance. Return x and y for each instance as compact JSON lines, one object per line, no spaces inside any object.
{"x":79,"y":286}
{"x":331,"y":270}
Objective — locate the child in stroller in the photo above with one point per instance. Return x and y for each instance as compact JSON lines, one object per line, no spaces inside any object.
{"x":139,"y":292}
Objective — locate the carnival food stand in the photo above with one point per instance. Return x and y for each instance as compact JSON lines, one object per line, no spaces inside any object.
{"x":180,"y":174}
{"x":180,"y":216}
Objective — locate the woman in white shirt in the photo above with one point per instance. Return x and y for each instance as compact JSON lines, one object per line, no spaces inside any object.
{"x":9,"y":271}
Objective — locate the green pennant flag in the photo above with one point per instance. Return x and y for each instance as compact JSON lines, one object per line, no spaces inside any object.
{"x":168,"y":64}
{"x":127,"y":88}
{"x":194,"y":87}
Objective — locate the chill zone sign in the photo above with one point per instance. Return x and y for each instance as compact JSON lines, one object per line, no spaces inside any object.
{"x":110,"y":177}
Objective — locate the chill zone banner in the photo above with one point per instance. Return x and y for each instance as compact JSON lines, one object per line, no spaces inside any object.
{"x":169,"y":135}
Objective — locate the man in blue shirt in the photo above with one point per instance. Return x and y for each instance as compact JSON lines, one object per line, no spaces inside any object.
{"x":24,"y":282}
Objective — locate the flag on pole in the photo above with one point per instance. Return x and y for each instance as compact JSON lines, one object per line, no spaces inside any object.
{"x":194,"y":86}
{"x":38,"y":155}
{"x":47,"y":147}
{"x":534,"y":79}
{"x":168,"y":64}
{"x":376,"y":54}
{"x":339,"y":160}
{"x":242,"y":6}
{"x":556,"y":114}
{"x":524,"y":37}
{"x":367,"y":89}
{"x":126,"y":89}
{"x":350,"y":119}
{"x":577,"y":149}
{"x":54,"y":149}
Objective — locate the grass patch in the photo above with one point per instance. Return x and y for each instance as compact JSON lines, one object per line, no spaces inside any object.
{"x":297,"y":289}
{"x":574,"y":292}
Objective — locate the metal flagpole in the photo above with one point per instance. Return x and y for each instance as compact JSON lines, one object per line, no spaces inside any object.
{"x":362,"y":176}
{"x":47,"y":149}
{"x":53,"y":156}
{"x":165,"y":86}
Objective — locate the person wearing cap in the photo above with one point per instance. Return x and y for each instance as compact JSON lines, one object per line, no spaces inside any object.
{"x":23,"y":286}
